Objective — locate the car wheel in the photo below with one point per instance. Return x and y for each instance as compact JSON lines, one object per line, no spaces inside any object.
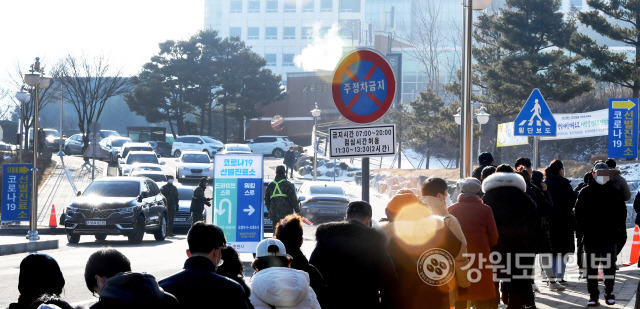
{"x":278,"y":153}
{"x":100,"y":237}
{"x":177,"y":154}
{"x":67,"y":151}
{"x":138,"y":232}
{"x":207,"y":152}
{"x":161,"y":233}
{"x":73,"y":238}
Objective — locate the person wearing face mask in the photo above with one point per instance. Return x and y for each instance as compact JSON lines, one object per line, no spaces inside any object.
{"x":170,"y":192}
{"x":198,"y":201}
{"x":600,"y":218}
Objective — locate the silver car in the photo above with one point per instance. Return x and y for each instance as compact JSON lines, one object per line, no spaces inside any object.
{"x":194,"y":165}
{"x":322,"y":201}
{"x":124,"y":165}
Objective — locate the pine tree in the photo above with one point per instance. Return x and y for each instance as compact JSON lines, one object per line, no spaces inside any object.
{"x":618,"y":21}
{"x":521,"y":47}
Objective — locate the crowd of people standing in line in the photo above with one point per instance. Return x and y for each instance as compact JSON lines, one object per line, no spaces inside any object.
{"x":479,"y":251}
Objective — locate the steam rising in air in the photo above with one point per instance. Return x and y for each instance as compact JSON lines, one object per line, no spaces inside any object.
{"x":324,"y":52}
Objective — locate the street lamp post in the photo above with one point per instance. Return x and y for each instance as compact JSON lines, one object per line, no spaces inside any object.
{"x":482,"y":117}
{"x":315,"y":113}
{"x":37,"y":80}
{"x":466,"y":127}
{"x":23,"y":97}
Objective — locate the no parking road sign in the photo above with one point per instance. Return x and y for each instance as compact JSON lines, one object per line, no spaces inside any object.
{"x":363,"y":86}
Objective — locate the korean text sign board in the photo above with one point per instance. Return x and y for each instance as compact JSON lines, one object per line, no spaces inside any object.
{"x":362,"y":141}
{"x":579,"y":125}
{"x":237,"y":193}
{"x":16,"y":192}
{"x":535,"y":118}
{"x":363,"y":86}
{"x":623,"y":128}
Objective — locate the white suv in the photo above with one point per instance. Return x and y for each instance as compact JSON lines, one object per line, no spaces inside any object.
{"x":270,"y":145}
{"x":204,"y":144}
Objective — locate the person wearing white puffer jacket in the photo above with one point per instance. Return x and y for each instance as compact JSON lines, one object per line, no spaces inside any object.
{"x":275,"y":284}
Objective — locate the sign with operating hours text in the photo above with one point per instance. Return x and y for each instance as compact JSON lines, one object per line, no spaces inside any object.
{"x":237,"y":197}
{"x":362,"y":141}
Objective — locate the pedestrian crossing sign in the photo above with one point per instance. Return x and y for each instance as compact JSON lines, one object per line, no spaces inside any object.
{"x":535,"y":118}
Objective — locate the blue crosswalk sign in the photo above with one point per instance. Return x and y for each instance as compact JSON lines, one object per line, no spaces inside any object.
{"x":535,"y":118}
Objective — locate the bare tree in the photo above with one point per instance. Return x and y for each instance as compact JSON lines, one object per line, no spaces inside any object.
{"x":90,"y":83}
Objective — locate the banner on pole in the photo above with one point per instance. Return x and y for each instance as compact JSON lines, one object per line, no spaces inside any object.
{"x":507,"y":138}
{"x":580,"y":125}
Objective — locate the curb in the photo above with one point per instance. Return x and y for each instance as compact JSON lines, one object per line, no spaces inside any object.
{"x":24,"y":230}
{"x":28,"y":246}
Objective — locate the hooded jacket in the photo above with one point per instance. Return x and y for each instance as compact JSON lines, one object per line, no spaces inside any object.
{"x":601,"y":215}
{"x":560,"y":216}
{"x":134,"y":290}
{"x":355,"y":265}
{"x":513,"y":210}
{"x":282,"y":287}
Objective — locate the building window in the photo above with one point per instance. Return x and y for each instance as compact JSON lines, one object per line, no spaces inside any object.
{"x":326,"y":5}
{"x":272,"y":6}
{"x":307,"y":33}
{"x":271,"y":59}
{"x":271,"y":33}
{"x":235,"y":31}
{"x":307,"y":5}
{"x":236,"y":6}
{"x":576,"y":3}
{"x":290,"y":6}
{"x":253,"y":33}
{"x":350,"y":6}
{"x":289,"y":33}
{"x":254,"y":6}
{"x":287,"y":60}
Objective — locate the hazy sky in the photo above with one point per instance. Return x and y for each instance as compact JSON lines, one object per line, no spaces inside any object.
{"x":125,"y":31}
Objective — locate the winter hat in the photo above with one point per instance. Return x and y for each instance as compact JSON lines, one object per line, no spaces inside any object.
{"x":485,"y":158}
{"x":470,"y":185}
{"x":600,"y":166}
{"x":280,"y":170}
{"x":403,"y":200}
{"x":271,"y":247}
{"x":40,"y":274}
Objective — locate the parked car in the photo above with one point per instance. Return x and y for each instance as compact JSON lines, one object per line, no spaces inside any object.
{"x":158,"y":176}
{"x":113,"y":146}
{"x":195,"y":165}
{"x":235,"y":148}
{"x":161,"y":148}
{"x":129,"y":206}
{"x":73,"y":144}
{"x":108,"y":133}
{"x":124,"y":165}
{"x":134,"y":147}
{"x":270,"y":145}
{"x":204,"y":144}
{"x":183,"y":218}
{"x":322,"y":201}
{"x":7,"y":147}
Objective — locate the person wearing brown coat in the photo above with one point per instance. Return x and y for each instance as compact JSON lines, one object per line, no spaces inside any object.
{"x":479,"y":228}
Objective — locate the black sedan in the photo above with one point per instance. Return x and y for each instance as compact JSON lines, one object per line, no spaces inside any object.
{"x":129,"y":206}
{"x":322,"y":201}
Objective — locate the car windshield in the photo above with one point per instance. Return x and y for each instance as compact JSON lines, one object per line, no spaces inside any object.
{"x":326,"y":190}
{"x":109,"y":133}
{"x":120,"y":142}
{"x":52,"y":132}
{"x":142,"y":158}
{"x":195,"y":158}
{"x":209,"y":140}
{"x":185,"y":194}
{"x":147,"y":168}
{"x":155,"y":177}
{"x":113,"y":189}
{"x":141,"y":148}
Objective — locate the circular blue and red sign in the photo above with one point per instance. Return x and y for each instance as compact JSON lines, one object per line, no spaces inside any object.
{"x":363,"y":86}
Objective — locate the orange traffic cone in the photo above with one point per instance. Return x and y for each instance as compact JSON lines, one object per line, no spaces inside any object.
{"x":635,"y":248}
{"x":52,"y":218}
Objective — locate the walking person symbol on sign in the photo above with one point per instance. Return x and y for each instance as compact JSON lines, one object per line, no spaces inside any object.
{"x":535,"y":118}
